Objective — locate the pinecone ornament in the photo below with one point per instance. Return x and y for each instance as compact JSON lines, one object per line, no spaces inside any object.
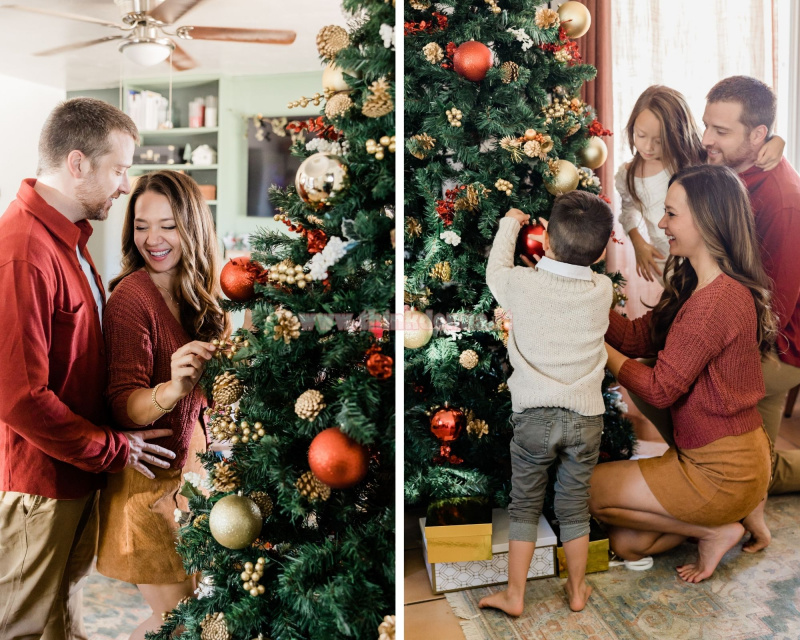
{"x":477,"y":427}
{"x":420,"y":145}
{"x":285,"y":325}
{"x":433,"y":52}
{"x":263,"y":502}
{"x":468,"y":359}
{"x":380,"y":101}
{"x":509,"y":72}
{"x":470,"y":199}
{"x":225,"y":478}
{"x":312,"y":488}
{"x":386,"y":629}
{"x":419,"y":5}
{"x":227,"y":388}
{"x":331,"y":40}
{"x":442,"y":271}
{"x":215,"y":627}
{"x":201,"y":522}
{"x":309,"y":404}
{"x":413,"y":227}
{"x":546,"y":18}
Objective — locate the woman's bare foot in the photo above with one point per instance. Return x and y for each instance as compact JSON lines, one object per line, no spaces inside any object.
{"x":578,"y":597}
{"x":710,"y":551}
{"x":760,"y":537}
{"x":504,"y":601}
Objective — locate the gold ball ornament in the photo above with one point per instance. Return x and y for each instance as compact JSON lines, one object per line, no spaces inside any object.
{"x":235,"y":521}
{"x":321,"y":180}
{"x":594,"y":154}
{"x":333,"y":78}
{"x":565,"y":178}
{"x":338,"y":105}
{"x":417,"y":329}
{"x":575,"y":18}
{"x":468,"y":359}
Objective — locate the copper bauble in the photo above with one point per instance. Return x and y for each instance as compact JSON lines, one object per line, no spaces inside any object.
{"x":235,"y":521}
{"x":594,"y":154}
{"x":564,"y":180}
{"x":321,"y":179}
{"x":527,"y":245}
{"x":472,"y":60}
{"x":336,"y":459}
{"x":575,"y":18}
{"x":417,"y":329}
{"x":448,"y":423}
{"x":333,"y":78}
{"x":238,"y":278}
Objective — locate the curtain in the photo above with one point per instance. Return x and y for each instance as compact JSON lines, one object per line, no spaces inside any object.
{"x":689,"y":46}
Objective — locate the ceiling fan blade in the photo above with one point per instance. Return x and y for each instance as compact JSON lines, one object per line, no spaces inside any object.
{"x":182,"y":61}
{"x":68,"y":16}
{"x":77,"y":45}
{"x":171,"y":10}
{"x":231,"y":34}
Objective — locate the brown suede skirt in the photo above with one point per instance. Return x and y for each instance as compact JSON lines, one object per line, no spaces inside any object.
{"x":716,"y":484}
{"x":137,"y":522}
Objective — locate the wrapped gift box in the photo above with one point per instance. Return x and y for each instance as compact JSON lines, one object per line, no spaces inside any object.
{"x":466,"y":574}
{"x":598,"y":552}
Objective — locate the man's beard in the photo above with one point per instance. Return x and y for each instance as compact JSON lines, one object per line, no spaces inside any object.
{"x":94,"y":205}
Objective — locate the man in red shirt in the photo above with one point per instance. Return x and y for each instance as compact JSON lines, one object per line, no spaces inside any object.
{"x":54,"y":445}
{"x":739,"y":115}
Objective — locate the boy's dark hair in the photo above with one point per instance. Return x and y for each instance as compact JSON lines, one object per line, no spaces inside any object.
{"x":757,"y":100}
{"x":580,"y":226}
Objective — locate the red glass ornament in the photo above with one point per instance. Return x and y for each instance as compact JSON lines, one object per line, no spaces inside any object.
{"x":238,"y":278}
{"x":527,"y":245}
{"x":447,"y":424}
{"x":337,"y":460}
{"x":472,"y":60}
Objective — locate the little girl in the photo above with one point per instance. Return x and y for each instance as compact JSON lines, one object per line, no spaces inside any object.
{"x":664,"y":138}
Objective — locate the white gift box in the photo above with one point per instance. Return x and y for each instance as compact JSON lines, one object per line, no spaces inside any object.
{"x":455,"y":576}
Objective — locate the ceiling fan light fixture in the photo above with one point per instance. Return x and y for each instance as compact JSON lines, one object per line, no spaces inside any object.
{"x":147,"y":52}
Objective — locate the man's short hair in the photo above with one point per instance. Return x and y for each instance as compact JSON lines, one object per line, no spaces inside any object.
{"x":579,"y":228}
{"x":82,"y":124}
{"x":757,"y":100}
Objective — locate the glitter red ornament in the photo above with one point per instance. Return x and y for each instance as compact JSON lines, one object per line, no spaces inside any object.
{"x":238,"y":278}
{"x":447,"y":424}
{"x":472,"y":60}
{"x":380,"y":366}
{"x":317,"y":239}
{"x":337,"y":460}
{"x":527,"y":245}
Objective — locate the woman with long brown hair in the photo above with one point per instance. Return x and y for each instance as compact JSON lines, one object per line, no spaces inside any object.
{"x":710,"y":329}
{"x":158,"y":326}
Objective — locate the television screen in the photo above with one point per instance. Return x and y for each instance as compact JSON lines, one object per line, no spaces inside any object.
{"x":269,"y":161}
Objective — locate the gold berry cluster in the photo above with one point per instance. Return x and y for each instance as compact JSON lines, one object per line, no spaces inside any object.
{"x":251,"y":576}
{"x":289,"y":273}
{"x":454,"y":117}
{"x":228,"y":348}
{"x":251,"y":433}
{"x":377,"y":148}
{"x":304,"y":102}
{"x":504,"y":185}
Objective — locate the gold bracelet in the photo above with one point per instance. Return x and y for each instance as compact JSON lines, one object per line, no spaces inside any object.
{"x":155,"y":402}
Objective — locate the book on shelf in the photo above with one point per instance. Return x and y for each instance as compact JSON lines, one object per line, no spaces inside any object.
{"x":149,"y":110}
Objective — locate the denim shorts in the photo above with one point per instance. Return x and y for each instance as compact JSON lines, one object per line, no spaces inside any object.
{"x":544,"y":436}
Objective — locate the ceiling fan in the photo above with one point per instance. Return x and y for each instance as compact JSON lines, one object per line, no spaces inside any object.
{"x":145,"y":22}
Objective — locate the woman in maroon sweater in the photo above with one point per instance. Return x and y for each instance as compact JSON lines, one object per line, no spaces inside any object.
{"x":158,"y":326}
{"x":709,"y":330}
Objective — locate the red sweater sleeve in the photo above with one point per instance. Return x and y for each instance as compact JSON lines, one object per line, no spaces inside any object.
{"x":127,"y":331}
{"x":27,"y":404}
{"x":630,"y":337}
{"x":779,"y":235}
{"x":691,"y":343}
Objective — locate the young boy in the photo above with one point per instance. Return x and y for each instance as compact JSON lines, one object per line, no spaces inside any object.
{"x":559,"y":312}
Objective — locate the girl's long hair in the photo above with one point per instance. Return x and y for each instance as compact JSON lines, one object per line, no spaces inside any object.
{"x":720,"y":207}
{"x":198,"y":290}
{"x":681,"y":142}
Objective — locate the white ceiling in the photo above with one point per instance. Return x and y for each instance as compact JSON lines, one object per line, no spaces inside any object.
{"x":99,"y":66}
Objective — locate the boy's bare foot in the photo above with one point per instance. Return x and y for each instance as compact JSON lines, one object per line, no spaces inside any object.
{"x":710,"y":551}
{"x":505,"y":602}
{"x":578,"y":597}
{"x":760,"y":537}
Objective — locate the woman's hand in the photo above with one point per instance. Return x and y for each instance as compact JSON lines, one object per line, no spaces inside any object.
{"x":771,"y":153}
{"x":188,"y":364}
{"x":646,"y":254}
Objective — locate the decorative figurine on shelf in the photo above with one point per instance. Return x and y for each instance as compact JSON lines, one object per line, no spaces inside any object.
{"x":204,"y":155}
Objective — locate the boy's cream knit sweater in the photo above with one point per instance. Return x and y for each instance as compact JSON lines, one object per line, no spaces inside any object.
{"x":558,"y":327}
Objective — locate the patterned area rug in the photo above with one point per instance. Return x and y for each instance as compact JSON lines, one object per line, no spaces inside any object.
{"x":750,"y":597}
{"x":112,"y":609}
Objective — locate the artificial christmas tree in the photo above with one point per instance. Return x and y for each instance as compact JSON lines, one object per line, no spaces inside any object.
{"x":293,"y":533}
{"x":522,"y":135}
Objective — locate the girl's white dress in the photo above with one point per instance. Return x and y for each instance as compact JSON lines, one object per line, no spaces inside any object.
{"x":652,"y":191}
